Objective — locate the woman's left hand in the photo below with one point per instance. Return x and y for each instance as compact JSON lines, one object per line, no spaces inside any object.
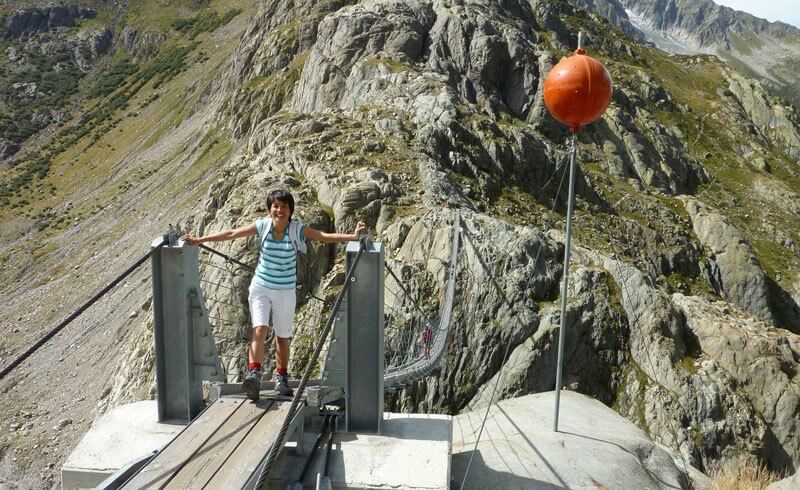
{"x":360,"y":227}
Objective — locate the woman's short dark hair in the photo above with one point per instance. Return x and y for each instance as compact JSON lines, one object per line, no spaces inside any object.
{"x":284,"y":196}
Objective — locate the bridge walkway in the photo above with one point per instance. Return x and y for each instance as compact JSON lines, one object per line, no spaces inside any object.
{"x":220,"y":449}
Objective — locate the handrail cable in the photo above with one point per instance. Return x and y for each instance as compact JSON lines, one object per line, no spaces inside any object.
{"x":33,"y":348}
{"x":228,"y":258}
{"x":408,"y":294}
{"x":395,"y":376}
{"x":280,"y":440}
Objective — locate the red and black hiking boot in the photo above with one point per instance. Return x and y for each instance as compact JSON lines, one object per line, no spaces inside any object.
{"x":282,"y":386}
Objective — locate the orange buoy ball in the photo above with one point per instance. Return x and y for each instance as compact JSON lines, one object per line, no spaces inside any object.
{"x":578,"y":90}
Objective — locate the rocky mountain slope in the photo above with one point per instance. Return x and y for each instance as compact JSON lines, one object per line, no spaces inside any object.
{"x":756,"y":47}
{"x":683,"y":312}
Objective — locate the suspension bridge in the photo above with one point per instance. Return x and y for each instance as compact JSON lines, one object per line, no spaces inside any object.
{"x":382,"y":331}
{"x":378,"y":337}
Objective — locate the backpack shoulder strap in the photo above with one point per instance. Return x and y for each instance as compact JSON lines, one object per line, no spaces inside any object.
{"x":298,"y":242}
{"x":265,"y":231}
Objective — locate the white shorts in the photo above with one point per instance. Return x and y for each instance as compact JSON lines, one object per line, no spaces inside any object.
{"x":280,"y":301}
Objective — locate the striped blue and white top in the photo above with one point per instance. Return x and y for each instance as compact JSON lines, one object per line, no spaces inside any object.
{"x":277,"y":263}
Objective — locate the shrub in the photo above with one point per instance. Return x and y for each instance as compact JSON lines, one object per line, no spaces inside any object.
{"x":746,"y":475}
{"x":206,"y":21}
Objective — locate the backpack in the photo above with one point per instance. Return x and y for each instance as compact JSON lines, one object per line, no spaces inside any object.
{"x":298,"y":242}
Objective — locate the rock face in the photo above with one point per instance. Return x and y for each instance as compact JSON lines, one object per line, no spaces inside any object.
{"x":762,"y":361}
{"x":766,"y":49}
{"x":708,"y":23}
{"x":787,"y":483}
{"x":25,"y":23}
{"x":395,"y":112}
{"x":420,"y":101}
{"x":46,"y":54}
{"x":90,"y":45}
{"x":140,"y":43}
{"x":734,"y":269}
{"x":776,"y":121}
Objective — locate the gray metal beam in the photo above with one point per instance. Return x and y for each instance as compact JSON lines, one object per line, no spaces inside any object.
{"x":364,"y":323}
{"x":185,"y":349}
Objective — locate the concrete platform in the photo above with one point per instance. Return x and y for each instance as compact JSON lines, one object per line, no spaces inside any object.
{"x":125,"y":433}
{"x":595,"y":447}
{"x":413,"y":452}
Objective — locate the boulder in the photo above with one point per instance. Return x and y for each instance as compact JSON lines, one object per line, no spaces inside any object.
{"x":735,"y":271}
{"x":763,"y":363}
{"x":788,"y":483}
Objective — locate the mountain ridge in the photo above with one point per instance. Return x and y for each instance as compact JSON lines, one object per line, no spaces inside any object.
{"x":384,"y":111}
{"x":754,"y":46}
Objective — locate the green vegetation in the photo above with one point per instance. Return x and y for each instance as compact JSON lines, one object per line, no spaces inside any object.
{"x":697,"y":437}
{"x":688,"y":364}
{"x":98,"y":118}
{"x":40,"y":83}
{"x":393,"y":65}
{"x":677,"y":282}
{"x":746,"y":44}
{"x":112,"y":79}
{"x":57,"y":77}
{"x":206,"y":21}
{"x":614,"y":294}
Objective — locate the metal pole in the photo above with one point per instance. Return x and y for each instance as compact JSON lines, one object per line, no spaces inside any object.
{"x":565,"y":282}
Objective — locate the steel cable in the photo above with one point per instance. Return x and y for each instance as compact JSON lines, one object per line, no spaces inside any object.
{"x":33,"y":348}
{"x":227,"y":258}
{"x":404,"y":374}
{"x":408,"y":294}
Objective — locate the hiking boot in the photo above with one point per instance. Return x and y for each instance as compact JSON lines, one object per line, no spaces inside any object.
{"x":252,"y":384}
{"x":282,"y":385}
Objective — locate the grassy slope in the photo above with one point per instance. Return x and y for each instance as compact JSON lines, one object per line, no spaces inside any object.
{"x":100,"y":170}
{"x":148,"y":167}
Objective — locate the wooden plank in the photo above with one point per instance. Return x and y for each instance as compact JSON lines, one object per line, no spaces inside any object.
{"x":172,"y":458}
{"x":216,"y":451}
{"x":245,"y":459}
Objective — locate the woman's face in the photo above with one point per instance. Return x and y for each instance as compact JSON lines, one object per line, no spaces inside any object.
{"x":279,"y":211}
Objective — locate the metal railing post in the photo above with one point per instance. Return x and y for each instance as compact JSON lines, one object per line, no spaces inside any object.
{"x":364,"y":341}
{"x":185,"y":349}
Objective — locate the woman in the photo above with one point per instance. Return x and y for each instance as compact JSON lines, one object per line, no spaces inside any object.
{"x":274,"y":283}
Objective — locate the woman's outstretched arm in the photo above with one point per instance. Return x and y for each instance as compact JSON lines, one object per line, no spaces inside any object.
{"x":321,"y":236}
{"x":221,"y":236}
